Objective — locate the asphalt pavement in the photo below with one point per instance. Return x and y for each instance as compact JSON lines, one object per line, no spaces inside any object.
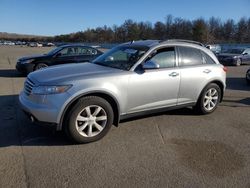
{"x":172,"y":149}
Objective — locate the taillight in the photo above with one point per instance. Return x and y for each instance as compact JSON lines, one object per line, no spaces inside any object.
{"x":225,"y":69}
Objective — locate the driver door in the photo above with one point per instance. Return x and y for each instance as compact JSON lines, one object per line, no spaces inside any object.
{"x":66,"y":55}
{"x":155,"y":88}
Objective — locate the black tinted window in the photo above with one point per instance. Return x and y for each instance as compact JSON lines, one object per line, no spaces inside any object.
{"x":190,"y":56}
{"x":164,"y":57}
{"x":207,"y":58}
{"x":87,"y":51}
{"x":69,"y":51}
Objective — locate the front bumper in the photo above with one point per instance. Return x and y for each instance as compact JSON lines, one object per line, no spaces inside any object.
{"x":43,"y":108}
{"x":24,"y":68}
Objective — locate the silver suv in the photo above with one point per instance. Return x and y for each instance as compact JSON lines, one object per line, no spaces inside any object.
{"x":131,"y":79}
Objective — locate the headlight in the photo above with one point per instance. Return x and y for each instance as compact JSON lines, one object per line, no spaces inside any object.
{"x":27,"y":61}
{"x":235,"y":57}
{"x":47,"y":90}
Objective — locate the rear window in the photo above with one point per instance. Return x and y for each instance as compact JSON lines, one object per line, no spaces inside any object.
{"x":207,"y":58}
{"x":190,"y":56}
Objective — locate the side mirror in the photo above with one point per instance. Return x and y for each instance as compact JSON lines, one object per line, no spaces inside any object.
{"x":109,"y":58}
{"x":245,"y":53}
{"x":150,"y":65}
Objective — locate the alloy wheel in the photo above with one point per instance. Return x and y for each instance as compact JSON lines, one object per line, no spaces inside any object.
{"x":211,"y":99}
{"x":91,"y":121}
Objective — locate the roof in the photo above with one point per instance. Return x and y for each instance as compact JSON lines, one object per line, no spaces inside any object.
{"x":73,"y":45}
{"x":151,"y":43}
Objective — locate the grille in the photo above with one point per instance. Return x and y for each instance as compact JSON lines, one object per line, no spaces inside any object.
{"x":28,"y":85}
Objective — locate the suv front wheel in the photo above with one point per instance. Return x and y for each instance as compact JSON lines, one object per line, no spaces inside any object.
{"x":209,"y":99}
{"x":89,"y":120}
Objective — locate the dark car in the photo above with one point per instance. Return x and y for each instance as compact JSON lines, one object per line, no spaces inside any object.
{"x":235,"y":57}
{"x":60,"y":55}
{"x":248,"y":76}
{"x":215,"y":48}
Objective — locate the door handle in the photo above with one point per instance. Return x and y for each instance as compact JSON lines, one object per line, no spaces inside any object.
{"x":207,"y":71}
{"x":174,"y":74}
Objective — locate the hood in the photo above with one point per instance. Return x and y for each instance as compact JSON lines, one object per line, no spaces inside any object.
{"x":32,"y":57}
{"x":62,"y":73}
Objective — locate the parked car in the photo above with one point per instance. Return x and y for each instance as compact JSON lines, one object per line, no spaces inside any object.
{"x":235,"y":57}
{"x":39,"y":44}
{"x":215,"y":48}
{"x":9,"y":43}
{"x":57,"y":56}
{"x":134,"y":78}
{"x":248,"y":76}
{"x":32,"y":44}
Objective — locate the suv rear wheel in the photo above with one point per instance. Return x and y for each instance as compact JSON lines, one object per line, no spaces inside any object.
{"x":90,"y":119}
{"x":209,"y":99}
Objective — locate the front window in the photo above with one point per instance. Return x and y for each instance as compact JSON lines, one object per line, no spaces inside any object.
{"x":54,"y":51}
{"x":122,"y":57}
{"x":164,"y":57}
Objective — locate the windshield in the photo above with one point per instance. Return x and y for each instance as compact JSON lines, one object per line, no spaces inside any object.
{"x":122,"y":57}
{"x":234,"y":51}
{"x":54,"y":50}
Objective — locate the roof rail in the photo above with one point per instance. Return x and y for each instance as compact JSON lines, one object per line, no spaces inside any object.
{"x":183,"y":40}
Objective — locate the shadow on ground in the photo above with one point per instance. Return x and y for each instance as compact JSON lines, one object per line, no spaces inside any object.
{"x":236,"y":83}
{"x":10,"y":73}
{"x":17,"y":130}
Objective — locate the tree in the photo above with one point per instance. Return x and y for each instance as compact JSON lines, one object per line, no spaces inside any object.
{"x":200,"y":30}
{"x":159,"y":30}
{"x":241,"y":31}
{"x":228,"y":31}
{"x":215,"y":31}
{"x":212,"y":30}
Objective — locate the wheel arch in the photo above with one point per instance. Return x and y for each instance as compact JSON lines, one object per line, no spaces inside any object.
{"x":107,"y":96}
{"x":35,"y":63}
{"x":219,"y":83}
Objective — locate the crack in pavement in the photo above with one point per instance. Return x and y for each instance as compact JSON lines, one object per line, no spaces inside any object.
{"x":159,"y":131}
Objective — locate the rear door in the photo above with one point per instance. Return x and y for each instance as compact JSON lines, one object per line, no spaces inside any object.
{"x":86,"y":54}
{"x":194,"y":73}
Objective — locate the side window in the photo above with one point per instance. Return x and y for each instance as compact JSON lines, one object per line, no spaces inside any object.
{"x":164,"y":57}
{"x":190,"y":56}
{"x":68,"y":51}
{"x":207,"y":58}
{"x":87,"y":51}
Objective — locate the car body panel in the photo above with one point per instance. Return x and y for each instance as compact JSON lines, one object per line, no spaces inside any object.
{"x":200,"y":77}
{"x":163,"y":90}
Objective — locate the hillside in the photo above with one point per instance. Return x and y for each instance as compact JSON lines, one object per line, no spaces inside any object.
{"x":15,"y":36}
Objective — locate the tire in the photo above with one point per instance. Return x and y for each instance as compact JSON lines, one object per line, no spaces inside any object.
{"x":40,"y":66}
{"x":83,"y":126}
{"x":209,"y":99}
{"x":238,"y":62}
